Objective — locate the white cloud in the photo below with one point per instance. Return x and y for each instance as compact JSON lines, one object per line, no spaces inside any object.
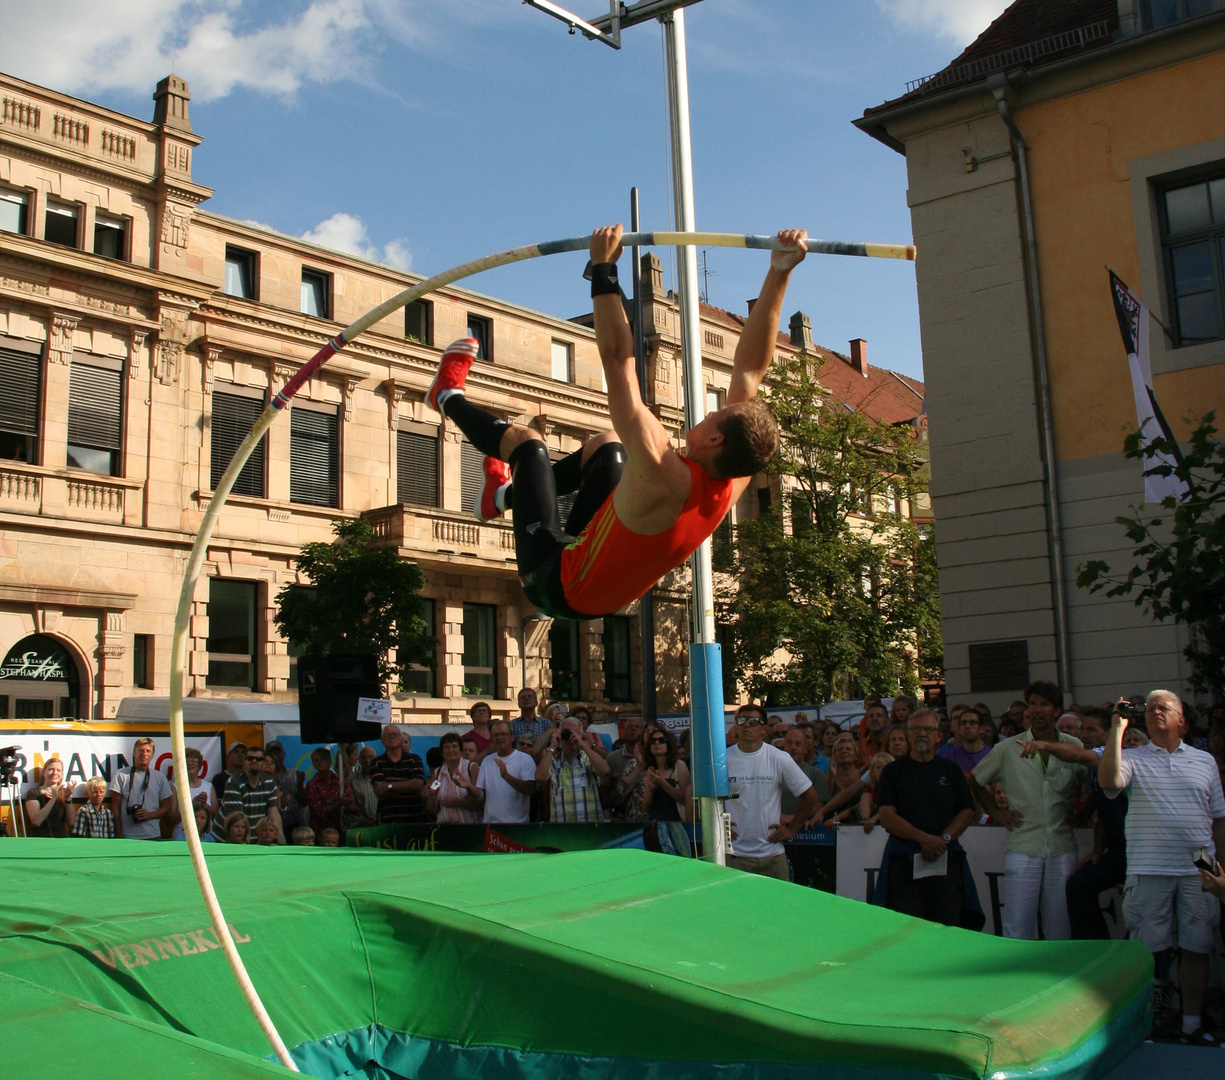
{"x":958,"y":21}
{"x":344,"y":232}
{"x":216,"y":45}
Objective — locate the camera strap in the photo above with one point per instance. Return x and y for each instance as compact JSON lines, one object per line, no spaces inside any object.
{"x":132,"y":788}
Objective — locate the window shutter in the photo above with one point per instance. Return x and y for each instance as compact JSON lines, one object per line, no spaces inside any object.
{"x":95,"y":407}
{"x":19,"y":377}
{"x":314,"y":458}
{"x":232,"y":418}
{"x":471,"y":473}
{"x":416,"y":468}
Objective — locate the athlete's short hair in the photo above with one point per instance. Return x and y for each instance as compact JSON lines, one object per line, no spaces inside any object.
{"x":750,"y":440}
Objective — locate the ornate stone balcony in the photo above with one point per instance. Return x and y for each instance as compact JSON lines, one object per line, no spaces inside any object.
{"x":34,"y":489}
{"x":427,"y":533}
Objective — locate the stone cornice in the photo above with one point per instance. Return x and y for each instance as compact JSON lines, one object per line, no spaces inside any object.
{"x":85,"y":165}
{"x":59,"y":596}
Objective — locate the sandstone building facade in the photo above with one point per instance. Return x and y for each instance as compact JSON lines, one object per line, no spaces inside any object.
{"x":140,"y":335}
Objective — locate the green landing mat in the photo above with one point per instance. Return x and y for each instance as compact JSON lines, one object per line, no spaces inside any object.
{"x":587,"y":964}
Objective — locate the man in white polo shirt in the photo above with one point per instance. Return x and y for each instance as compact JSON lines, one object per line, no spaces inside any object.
{"x":1175,"y":806}
{"x":757,"y":774}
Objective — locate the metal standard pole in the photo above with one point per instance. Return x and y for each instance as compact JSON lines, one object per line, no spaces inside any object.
{"x":647,"y":607}
{"x":707,"y":742}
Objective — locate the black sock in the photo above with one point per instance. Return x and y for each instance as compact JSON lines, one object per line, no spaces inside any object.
{"x":568,"y":472}
{"x":482,"y":429}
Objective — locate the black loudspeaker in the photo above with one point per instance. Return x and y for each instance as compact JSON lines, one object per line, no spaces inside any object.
{"x":329,"y":686}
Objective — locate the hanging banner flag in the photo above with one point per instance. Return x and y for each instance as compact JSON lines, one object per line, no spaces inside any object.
{"x":1133,"y":318}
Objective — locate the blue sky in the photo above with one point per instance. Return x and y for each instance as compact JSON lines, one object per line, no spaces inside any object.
{"x":428,"y":132}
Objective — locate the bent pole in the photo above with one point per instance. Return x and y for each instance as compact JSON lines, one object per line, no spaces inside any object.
{"x":195,"y":561}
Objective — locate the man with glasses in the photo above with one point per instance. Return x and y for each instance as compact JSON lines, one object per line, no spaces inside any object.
{"x":252,"y":791}
{"x":758,"y":774}
{"x":967,"y":749}
{"x":574,"y":770}
{"x":925,"y":805}
{"x":506,"y":781}
{"x":140,"y":796}
{"x":1175,"y":815}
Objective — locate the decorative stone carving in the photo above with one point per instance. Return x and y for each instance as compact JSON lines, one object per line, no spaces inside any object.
{"x":350,"y":385}
{"x":46,"y":619}
{"x":33,"y":287}
{"x":175,"y":227}
{"x":279,"y":374}
{"x":168,"y":356}
{"x":212,"y":353}
{"x":136,"y":346}
{"x":59,"y":342}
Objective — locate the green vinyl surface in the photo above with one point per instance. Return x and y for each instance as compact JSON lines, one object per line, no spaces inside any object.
{"x":585,"y":964}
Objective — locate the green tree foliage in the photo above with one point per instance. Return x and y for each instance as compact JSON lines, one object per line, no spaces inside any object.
{"x":850,"y":587}
{"x":362,"y":599}
{"x":1179,"y":551}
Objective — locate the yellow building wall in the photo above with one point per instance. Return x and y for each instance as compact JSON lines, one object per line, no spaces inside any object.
{"x":1080,"y":148}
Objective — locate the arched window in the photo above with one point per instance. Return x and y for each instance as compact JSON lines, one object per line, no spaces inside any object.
{"x":39,"y":680}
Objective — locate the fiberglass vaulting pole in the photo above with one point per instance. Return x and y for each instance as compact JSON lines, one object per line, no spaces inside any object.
{"x":708,"y":750}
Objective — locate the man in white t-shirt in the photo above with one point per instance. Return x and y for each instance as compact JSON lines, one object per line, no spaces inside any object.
{"x":507,"y":779}
{"x":140,"y":796}
{"x":757,"y":775}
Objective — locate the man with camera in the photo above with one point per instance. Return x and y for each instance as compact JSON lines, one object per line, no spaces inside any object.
{"x":140,"y":796}
{"x":575,"y":771}
{"x":1175,"y":827}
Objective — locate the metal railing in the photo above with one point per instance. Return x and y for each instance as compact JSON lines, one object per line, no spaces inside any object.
{"x":1046,"y":48}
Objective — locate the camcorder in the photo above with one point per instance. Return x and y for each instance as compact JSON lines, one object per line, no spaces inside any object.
{"x":1132,"y":712}
{"x":10,"y":764}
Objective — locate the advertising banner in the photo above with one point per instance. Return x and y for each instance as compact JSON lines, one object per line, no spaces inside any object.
{"x":87,"y":751}
{"x":667,"y":837}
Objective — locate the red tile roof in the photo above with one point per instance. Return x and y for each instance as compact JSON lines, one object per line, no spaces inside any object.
{"x":884,"y":395}
{"x":1024,"y":23}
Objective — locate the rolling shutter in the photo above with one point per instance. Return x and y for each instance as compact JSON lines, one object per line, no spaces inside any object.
{"x":19,"y":378}
{"x":232,"y":418}
{"x":416,"y":468}
{"x":314,"y":458}
{"x":95,"y":407}
{"x":471,"y":473}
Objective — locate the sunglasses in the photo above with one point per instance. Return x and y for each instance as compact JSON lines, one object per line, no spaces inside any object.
{"x":251,"y":757}
{"x":751,"y":721}
{"x":658,"y":741}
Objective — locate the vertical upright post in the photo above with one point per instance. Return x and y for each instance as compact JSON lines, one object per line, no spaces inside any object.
{"x":646,"y":611}
{"x":708,"y":750}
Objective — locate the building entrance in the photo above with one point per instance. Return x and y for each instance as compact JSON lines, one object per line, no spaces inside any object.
{"x":38,"y":681}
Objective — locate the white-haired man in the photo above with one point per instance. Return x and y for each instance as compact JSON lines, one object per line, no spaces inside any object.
{"x":1175,"y":808}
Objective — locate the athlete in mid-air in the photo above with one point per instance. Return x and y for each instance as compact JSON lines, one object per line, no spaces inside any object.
{"x":641,"y":508}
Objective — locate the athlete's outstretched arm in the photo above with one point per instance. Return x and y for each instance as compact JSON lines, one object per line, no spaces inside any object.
{"x":642,"y":435}
{"x":755,"y":350}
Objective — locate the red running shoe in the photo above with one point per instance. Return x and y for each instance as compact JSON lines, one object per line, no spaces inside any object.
{"x":452,"y":369}
{"x":497,"y":473}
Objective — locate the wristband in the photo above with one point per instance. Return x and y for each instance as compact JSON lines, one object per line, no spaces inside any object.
{"x":604,"y":279}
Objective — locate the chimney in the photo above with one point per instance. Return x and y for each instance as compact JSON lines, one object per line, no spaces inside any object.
{"x":752,"y":304}
{"x":859,"y":356}
{"x":170,"y":104}
{"x":801,"y":331}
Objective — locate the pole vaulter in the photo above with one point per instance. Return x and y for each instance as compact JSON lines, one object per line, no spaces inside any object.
{"x":788,"y":249}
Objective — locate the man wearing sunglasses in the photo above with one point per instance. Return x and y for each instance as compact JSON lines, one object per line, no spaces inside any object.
{"x":758,"y":774}
{"x":252,"y":791}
